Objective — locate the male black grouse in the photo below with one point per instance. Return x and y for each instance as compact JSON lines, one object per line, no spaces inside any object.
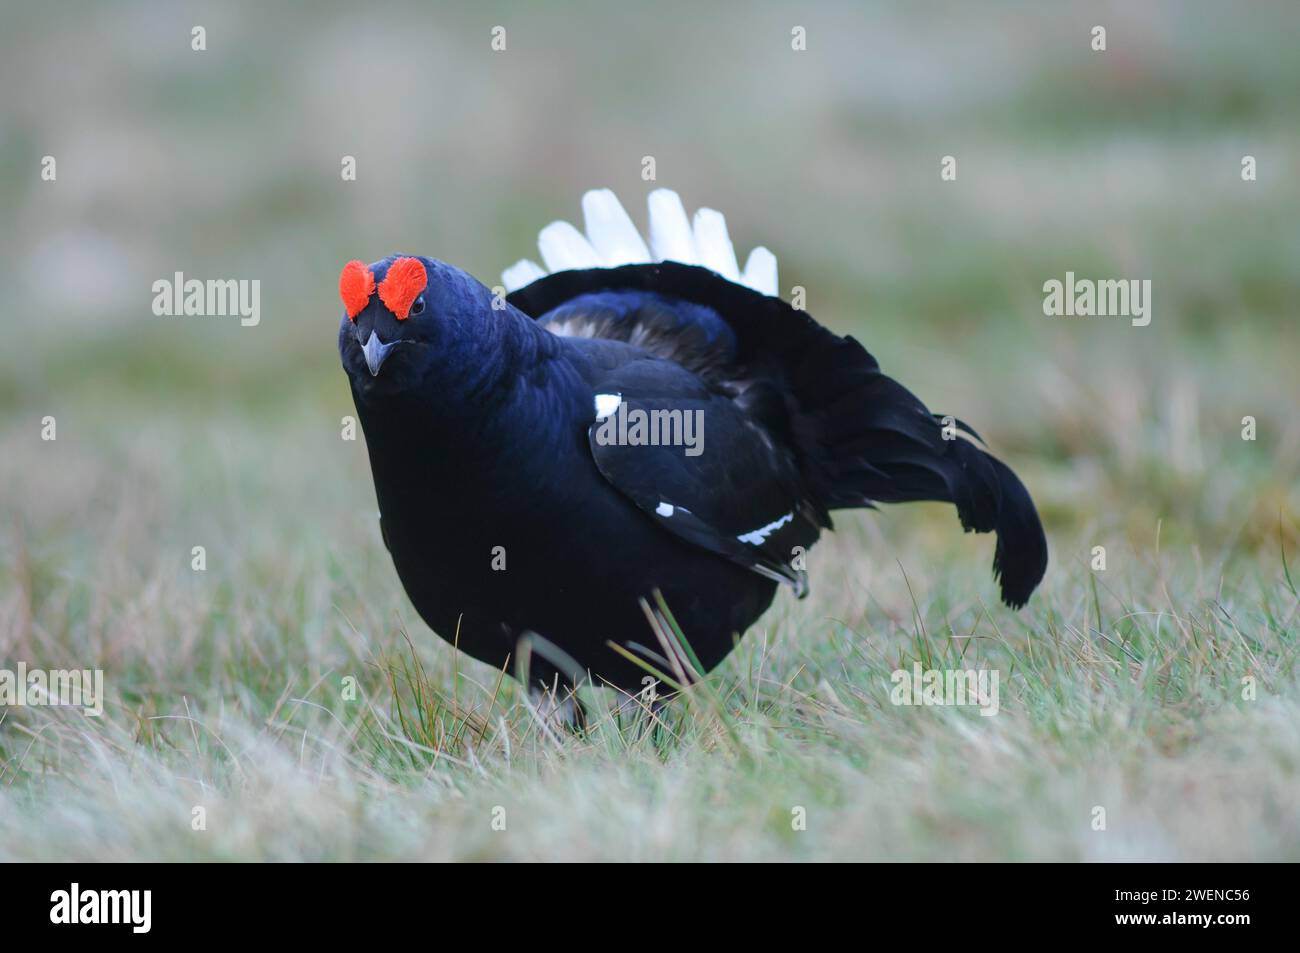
{"x":641,"y":417}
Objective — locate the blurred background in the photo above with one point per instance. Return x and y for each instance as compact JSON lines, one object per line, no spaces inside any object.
{"x":226,"y":164}
{"x":174,"y":432}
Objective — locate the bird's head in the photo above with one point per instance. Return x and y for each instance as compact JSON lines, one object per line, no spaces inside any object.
{"x":409,"y":319}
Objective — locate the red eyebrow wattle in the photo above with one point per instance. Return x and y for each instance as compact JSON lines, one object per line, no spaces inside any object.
{"x":405,"y":280}
{"x":356,"y":285}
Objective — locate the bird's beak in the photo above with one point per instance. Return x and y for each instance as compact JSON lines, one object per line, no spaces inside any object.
{"x":376,"y":351}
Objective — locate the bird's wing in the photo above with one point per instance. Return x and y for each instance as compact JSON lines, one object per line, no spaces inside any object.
{"x":715,"y":478}
{"x":858,"y":436}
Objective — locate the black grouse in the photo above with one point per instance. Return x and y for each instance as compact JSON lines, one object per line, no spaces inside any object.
{"x":637,"y":418}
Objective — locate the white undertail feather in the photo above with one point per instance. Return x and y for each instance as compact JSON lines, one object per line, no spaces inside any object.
{"x":612,"y":240}
{"x":670,"y":230}
{"x":610,"y":230}
{"x":714,"y":244}
{"x":522,"y":273}
{"x":563,"y":247}
{"x":760,"y":271}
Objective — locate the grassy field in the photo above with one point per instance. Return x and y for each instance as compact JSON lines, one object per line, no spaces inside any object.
{"x":1162,"y":690}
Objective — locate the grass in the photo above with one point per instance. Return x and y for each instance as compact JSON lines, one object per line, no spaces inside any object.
{"x":226,"y":690}
{"x":230,"y":689}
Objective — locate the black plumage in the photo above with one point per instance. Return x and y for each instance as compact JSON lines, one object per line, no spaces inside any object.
{"x":510,"y":517}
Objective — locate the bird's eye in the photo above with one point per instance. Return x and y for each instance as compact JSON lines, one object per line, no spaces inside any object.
{"x":417,"y":307}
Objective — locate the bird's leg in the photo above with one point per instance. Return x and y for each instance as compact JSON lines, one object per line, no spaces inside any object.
{"x":556,"y":703}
